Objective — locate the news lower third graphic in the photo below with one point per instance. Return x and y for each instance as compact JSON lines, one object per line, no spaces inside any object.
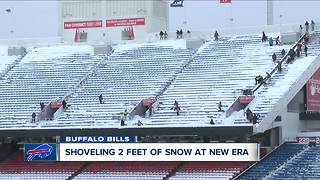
{"x":40,"y":152}
{"x":126,"y":148}
{"x":159,"y":152}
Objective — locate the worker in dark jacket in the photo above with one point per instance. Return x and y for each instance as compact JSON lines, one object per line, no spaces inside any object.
{"x":312,"y":25}
{"x":33,"y":117}
{"x":277,"y":40}
{"x":216,"y":36}
{"x":307,"y":26}
{"x":122,"y":122}
{"x":220,"y":107}
{"x":283,"y":52}
{"x":274,"y":57}
{"x":249,"y":115}
{"x":306,"y":50}
{"x":264,"y":37}
{"x":175,"y":103}
{"x":100,"y":99}
{"x":306,"y":38}
{"x":165,"y":35}
{"x":291,"y":55}
{"x":181,"y":33}
{"x":64,"y":104}
{"x":139,"y":123}
{"x":161,"y":35}
{"x":42,"y":106}
{"x":279,"y":66}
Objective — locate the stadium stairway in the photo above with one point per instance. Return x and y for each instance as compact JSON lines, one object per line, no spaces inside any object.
{"x":291,"y":79}
{"x":174,"y":171}
{"x":124,"y":79}
{"x":79,"y":171}
{"x":219,"y":72}
{"x":272,"y":161}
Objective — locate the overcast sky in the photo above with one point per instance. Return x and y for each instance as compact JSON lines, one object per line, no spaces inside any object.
{"x":40,"y":18}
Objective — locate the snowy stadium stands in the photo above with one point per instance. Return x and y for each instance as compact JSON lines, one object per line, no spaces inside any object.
{"x":43,"y":75}
{"x":218,"y":71}
{"x":269,"y":95}
{"x":124,"y":79}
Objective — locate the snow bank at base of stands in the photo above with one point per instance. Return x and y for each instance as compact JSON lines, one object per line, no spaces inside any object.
{"x":249,"y":36}
{"x":134,"y":122}
{"x":42,"y":53}
{"x":5,"y":60}
{"x":176,"y":44}
{"x":238,"y":115}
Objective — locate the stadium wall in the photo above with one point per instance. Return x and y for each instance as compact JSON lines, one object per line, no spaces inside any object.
{"x":154,"y":13}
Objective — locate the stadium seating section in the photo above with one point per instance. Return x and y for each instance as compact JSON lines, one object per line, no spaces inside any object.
{"x":197,"y":80}
{"x":14,"y":168}
{"x":127,"y":170}
{"x":274,"y":160}
{"x":268,"y":96}
{"x":215,"y":75}
{"x":209,"y":170}
{"x":304,"y":166}
{"x":124,"y":79}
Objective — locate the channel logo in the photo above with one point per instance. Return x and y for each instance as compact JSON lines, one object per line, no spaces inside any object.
{"x":40,"y":152}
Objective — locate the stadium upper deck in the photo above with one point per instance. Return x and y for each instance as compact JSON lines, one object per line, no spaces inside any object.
{"x":218,"y":71}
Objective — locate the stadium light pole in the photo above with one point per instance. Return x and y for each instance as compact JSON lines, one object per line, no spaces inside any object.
{"x":231,"y":19}
{"x":11,"y":31}
{"x":280,"y":17}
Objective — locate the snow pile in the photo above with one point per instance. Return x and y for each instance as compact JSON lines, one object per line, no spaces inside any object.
{"x":175,"y":44}
{"x":42,"y":53}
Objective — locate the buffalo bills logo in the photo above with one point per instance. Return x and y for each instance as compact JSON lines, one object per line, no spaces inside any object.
{"x":42,"y":151}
